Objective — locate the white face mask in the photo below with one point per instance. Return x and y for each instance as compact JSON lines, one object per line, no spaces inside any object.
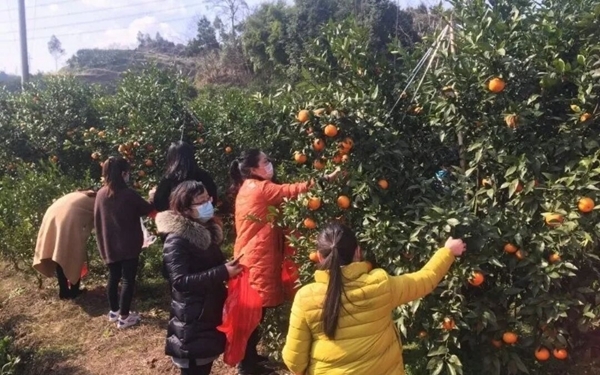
{"x":269,"y":171}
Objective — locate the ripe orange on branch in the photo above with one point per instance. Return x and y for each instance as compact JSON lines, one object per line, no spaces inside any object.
{"x":511,"y":120}
{"x":448,"y":324}
{"x":586,"y":116}
{"x":510,"y":338}
{"x":300,"y":158}
{"x":314,"y":203}
{"x":383,"y":184}
{"x":331,"y":130}
{"x":496,"y":85}
{"x":476,"y":278}
{"x":586,"y":205}
{"x":314,"y":257}
{"x":309,"y":223}
{"x":343,"y":202}
{"x":510,"y":248}
{"x":560,"y":353}
{"x":554,"y":220}
{"x":542,"y":354}
{"x":303,"y":116}
{"x":554,"y":258}
{"x":318,"y":145}
{"x":319,"y":164}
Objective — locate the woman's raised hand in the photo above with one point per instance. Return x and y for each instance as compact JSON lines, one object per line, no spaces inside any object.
{"x":333,"y":175}
{"x":456,"y":246}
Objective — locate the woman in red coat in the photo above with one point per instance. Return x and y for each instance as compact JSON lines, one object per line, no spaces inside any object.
{"x":257,"y":238}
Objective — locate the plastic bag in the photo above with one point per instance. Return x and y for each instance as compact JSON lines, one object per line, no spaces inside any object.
{"x":242,"y":313}
{"x":148,"y":238}
{"x":290,"y":278}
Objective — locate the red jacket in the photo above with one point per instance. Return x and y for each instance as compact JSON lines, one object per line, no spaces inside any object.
{"x":258,"y":238}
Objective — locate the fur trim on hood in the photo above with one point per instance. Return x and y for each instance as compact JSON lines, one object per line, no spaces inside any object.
{"x":200,"y":235}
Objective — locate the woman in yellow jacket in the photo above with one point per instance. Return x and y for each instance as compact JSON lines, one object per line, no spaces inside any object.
{"x":342,"y":323}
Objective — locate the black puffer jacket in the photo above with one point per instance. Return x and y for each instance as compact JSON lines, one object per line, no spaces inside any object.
{"x":196,"y":268}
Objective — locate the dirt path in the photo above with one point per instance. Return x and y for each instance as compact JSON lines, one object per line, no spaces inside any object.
{"x":74,"y":338}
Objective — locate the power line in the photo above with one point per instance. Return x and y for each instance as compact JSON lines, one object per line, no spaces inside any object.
{"x":12,"y":30}
{"x":90,"y":31}
{"x":53,"y":16}
{"x":53,"y":3}
{"x":103,"y":20}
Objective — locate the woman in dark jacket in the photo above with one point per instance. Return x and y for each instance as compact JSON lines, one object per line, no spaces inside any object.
{"x":198,"y":271}
{"x":181,"y":166}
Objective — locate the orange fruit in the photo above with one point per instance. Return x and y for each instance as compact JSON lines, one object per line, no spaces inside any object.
{"x":510,"y":248}
{"x":476,"y":278}
{"x":343,"y":202}
{"x":554,"y":220}
{"x":542,"y":354}
{"x":300,"y":158}
{"x":314,"y":257}
{"x":149,"y":163}
{"x":510,"y":338}
{"x":228,"y":150}
{"x":319,"y":164}
{"x":314,"y":203}
{"x":423,"y":334}
{"x":136,"y":144}
{"x":486,"y":182}
{"x":54,"y":159}
{"x":347,"y":144}
{"x":519,"y":188}
{"x":520,"y":255}
{"x":303,"y":116}
{"x":560,"y":353}
{"x":511,"y":121}
{"x":337,"y":158}
{"x":496,"y":85}
{"x":141,"y":173}
{"x":586,"y":205}
{"x":345,"y":158}
{"x":309,"y":223}
{"x":149,"y":148}
{"x":95,"y":155}
{"x":448,"y":324}
{"x":586,"y":116}
{"x":122,"y":149}
{"x":383,"y":184}
{"x":497,"y":343}
{"x":554,"y":258}
{"x":101,"y":134}
{"x":318,"y":145}
{"x":331,"y":130}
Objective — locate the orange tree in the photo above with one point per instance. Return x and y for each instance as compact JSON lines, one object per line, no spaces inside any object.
{"x":521,"y":90}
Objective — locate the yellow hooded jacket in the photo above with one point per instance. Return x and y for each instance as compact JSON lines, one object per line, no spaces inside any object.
{"x":366,"y":341}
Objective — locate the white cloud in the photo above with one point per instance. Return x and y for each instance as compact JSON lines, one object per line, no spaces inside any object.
{"x":127,"y":37}
{"x":53,"y":8}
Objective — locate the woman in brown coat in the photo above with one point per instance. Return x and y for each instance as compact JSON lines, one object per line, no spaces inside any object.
{"x":62,"y":239}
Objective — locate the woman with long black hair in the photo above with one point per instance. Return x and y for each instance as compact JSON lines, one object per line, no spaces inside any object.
{"x":182,"y":166}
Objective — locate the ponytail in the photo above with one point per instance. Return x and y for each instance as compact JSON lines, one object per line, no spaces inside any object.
{"x":337,"y":244}
{"x":333,"y":297}
{"x":236,"y":178}
{"x":241,"y":169}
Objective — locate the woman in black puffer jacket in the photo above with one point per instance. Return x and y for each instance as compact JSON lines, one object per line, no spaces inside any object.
{"x":198,"y":271}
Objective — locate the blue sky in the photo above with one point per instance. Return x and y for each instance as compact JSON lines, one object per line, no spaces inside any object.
{"x":97,"y":24}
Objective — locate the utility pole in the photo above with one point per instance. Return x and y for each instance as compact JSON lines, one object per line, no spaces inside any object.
{"x":23,"y":32}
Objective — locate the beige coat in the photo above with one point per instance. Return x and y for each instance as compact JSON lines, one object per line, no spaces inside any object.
{"x":63,"y":236}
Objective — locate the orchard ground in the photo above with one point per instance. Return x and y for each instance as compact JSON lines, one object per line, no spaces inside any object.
{"x":74,"y":338}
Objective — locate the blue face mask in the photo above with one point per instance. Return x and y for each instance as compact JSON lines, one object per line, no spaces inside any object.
{"x":205,"y":212}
